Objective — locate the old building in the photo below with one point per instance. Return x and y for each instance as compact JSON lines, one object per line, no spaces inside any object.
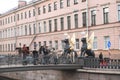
{"x":44,"y":22}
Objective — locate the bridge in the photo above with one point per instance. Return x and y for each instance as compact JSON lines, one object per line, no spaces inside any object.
{"x":84,"y":67}
{"x":16,"y":68}
{"x":14,"y":63}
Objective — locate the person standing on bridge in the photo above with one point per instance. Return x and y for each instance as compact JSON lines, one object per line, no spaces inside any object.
{"x":25,"y":54}
{"x":35,"y":56}
{"x":101,"y":58}
{"x":46,"y":54}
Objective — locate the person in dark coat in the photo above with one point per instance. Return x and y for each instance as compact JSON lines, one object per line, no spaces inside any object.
{"x":41,"y":54}
{"x":101,"y":58}
{"x":25,"y":52}
{"x":41,"y":50}
{"x":35,"y":56}
{"x":46,"y":56}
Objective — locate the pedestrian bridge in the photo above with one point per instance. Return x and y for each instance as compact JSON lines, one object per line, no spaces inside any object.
{"x":16,"y":68}
{"x":79,"y":68}
{"x":15,"y":63}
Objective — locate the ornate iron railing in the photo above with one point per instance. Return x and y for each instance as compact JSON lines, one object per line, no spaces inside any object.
{"x":42,"y":59}
{"x":53,"y":59}
{"x":105,"y":64}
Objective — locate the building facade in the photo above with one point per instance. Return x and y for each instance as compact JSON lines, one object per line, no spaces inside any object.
{"x":44,"y":22}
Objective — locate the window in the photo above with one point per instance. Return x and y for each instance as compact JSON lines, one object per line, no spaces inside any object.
{"x":61,"y":3}
{"x":33,"y":12}
{"x":11,"y":47}
{"x":14,"y":46}
{"x":18,"y":31}
{"x":34,"y":29}
{"x":39,"y":27}
{"x":76,"y":20}
{"x":44,"y":9}
{"x":68,"y":3}
{"x":69,"y":22}
{"x":77,"y":44}
{"x":55,"y":24}
{"x":106,"y":39}
{"x":6,"y":33}
{"x":0,"y":22}
{"x":95,"y":43}
{"x":56,"y":44}
{"x":14,"y":32}
{"x":21,"y":15}
{"x":25,"y":15}
{"x":83,"y":0}
{"x":39,"y":11}
{"x":29,"y":13}
{"x":8,"y":20}
{"x":55,"y":5}
{"x":11,"y":32}
{"x":84,"y":19}
{"x":75,"y":1}
{"x":93,"y":18}
{"x":25,"y":29}
{"x":118,"y":12}
{"x":3,"y":47}
{"x":50,"y":44}
{"x":11,"y":19}
{"x":18,"y":17}
{"x":6,"y":47}
{"x":62,"y":23}
{"x":105,"y":14}
{"x":44,"y":26}
{"x":29,"y":29}
{"x":50,"y":25}
{"x":3,"y":21}
{"x":49,"y":7}
{"x":14,"y":18}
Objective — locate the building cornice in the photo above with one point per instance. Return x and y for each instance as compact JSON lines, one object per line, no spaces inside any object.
{"x":15,"y":10}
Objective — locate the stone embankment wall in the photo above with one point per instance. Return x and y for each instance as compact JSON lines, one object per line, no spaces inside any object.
{"x":65,"y":75}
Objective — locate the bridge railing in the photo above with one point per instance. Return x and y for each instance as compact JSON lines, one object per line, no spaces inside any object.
{"x":48,"y":59}
{"x":52,"y":59}
{"x":105,"y":64}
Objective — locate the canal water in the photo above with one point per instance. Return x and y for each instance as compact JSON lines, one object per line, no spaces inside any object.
{"x":4,"y":78}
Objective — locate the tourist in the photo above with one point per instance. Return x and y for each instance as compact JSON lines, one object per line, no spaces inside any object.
{"x":25,"y":54}
{"x":35,"y":56}
{"x":101,"y":58}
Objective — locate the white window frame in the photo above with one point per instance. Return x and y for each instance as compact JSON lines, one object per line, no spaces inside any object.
{"x":95,"y":44}
{"x":119,"y":12}
{"x":106,"y":39}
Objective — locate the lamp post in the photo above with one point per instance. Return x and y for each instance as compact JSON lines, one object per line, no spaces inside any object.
{"x":15,"y":32}
{"x":87,"y":15}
